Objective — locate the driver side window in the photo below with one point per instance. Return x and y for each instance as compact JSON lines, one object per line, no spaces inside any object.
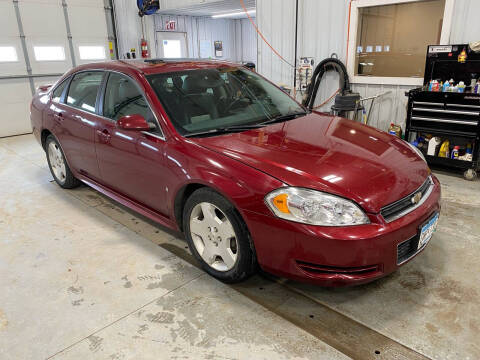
{"x":122,"y":97}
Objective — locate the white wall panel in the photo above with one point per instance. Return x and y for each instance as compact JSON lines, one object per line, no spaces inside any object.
{"x":221,"y":30}
{"x":238,"y":37}
{"x":276,"y":20}
{"x":129,"y":27}
{"x":466,"y":24}
{"x":248,"y":41}
{"x":9,"y":37}
{"x":15,"y":97}
{"x":93,"y":34}
{"x":45,"y":30}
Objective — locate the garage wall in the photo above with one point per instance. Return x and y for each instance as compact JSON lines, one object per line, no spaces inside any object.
{"x":238,"y":37}
{"x":323,"y":30}
{"x":43,"y":23}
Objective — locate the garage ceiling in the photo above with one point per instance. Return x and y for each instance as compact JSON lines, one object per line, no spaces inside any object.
{"x":211,"y":8}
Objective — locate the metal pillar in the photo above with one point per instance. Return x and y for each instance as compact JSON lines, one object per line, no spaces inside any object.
{"x":24,"y":46}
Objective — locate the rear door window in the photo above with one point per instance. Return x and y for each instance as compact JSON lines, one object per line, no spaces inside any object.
{"x":57,"y":93}
{"x":83,"y":90}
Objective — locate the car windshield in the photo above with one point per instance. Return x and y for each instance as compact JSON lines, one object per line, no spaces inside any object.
{"x":214,"y":100}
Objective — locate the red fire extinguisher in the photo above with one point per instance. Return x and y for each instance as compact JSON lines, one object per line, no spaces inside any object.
{"x":144,"y":47}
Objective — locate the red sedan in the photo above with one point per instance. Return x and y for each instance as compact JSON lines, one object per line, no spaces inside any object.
{"x":252,"y":179}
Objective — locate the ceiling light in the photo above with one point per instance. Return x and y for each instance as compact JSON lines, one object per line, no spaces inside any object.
{"x":239,"y":13}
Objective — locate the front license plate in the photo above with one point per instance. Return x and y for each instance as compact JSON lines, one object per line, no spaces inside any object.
{"x":427,"y":231}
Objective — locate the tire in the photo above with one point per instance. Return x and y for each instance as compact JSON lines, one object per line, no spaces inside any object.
{"x":209,"y":219}
{"x":58,"y":165}
{"x":470,"y":175}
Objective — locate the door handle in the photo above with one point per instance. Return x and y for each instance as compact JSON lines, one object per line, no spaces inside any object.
{"x":104,"y":136}
{"x":58,"y":116}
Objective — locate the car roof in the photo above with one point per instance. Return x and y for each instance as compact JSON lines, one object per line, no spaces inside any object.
{"x":155,"y":66}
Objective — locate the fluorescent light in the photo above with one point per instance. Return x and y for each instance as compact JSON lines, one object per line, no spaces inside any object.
{"x":239,"y":13}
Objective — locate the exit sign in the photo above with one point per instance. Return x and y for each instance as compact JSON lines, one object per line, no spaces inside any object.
{"x":170,"y":25}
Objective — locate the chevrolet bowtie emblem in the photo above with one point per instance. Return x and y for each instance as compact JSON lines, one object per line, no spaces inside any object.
{"x":416,"y":198}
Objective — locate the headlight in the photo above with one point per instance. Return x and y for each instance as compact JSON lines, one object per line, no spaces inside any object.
{"x":314,"y":207}
{"x":417,"y":150}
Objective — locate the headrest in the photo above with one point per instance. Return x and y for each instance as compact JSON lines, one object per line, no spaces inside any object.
{"x":126,"y":90}
{"x":193,"y":85}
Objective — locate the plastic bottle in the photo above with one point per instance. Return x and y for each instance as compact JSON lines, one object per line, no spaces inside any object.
{"x":395,"y":130}
{"x":456,"y":152}
{"x":444,"y":149}
{"x":473,"y":82}
{"x":469,"y":149}
{"x":446,"y":86}
{"x":433,"y":145}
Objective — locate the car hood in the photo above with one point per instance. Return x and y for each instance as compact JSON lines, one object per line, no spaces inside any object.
{"x":330,"y":154}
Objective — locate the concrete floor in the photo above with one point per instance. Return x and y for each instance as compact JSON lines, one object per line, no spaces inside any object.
{"x":82,"y":277}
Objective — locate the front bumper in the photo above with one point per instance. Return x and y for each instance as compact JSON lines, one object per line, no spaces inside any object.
{"x":336,"y":256}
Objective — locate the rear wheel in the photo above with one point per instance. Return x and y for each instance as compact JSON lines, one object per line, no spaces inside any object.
{"x":58,"y":165}
{"x":218,"y":237}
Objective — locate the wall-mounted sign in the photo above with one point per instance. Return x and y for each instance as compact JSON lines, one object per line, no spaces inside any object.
{"x":218,"y":48}
{"x":171,"y":25}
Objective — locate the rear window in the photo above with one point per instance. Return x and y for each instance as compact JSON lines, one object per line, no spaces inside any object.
{"x":83,"y":90}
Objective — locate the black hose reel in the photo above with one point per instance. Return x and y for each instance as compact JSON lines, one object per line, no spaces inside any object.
{"x":347,"y":102}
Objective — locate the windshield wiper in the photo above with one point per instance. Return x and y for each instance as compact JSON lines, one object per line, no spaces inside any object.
{"x":226,"y":130}
{"x":282,"y":118}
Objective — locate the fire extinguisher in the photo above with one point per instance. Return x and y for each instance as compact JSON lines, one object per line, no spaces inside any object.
{"x":144,"y":47}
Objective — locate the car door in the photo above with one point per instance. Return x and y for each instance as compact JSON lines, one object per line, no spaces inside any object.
{"x":131,"y":162}
{"x":72,"y":113}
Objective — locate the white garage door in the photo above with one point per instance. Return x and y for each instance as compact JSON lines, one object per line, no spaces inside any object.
{"x":40,"y":40}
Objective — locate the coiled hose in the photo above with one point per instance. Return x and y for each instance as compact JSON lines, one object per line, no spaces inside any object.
{"x":331,"y":63}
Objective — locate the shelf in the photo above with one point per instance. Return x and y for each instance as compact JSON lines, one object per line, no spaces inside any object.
{"x":444,"y":132}
{"x":454,"y":163}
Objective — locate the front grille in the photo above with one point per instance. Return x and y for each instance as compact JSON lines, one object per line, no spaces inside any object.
{"x":407,"y":249}
{"x":405,"y":205}
{"x":316,"y":270}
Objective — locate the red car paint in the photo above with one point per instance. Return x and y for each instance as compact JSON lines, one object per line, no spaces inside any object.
{"x":317,"y":151}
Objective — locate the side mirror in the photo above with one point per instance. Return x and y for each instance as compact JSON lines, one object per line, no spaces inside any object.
{"x":133,"y":122}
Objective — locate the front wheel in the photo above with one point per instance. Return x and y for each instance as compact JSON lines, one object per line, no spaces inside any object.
{"x":58,"y":165}
{"x":218,"y":237}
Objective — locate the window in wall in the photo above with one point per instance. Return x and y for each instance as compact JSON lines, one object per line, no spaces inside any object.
{"x":8,"y":54}
{"x":91,"y":52}
{"x":49,"y":53}
{"x":83,"y":90}
{"x":392,"y":40}
{"x":57,"y":93}
{"x":172,"y":49}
